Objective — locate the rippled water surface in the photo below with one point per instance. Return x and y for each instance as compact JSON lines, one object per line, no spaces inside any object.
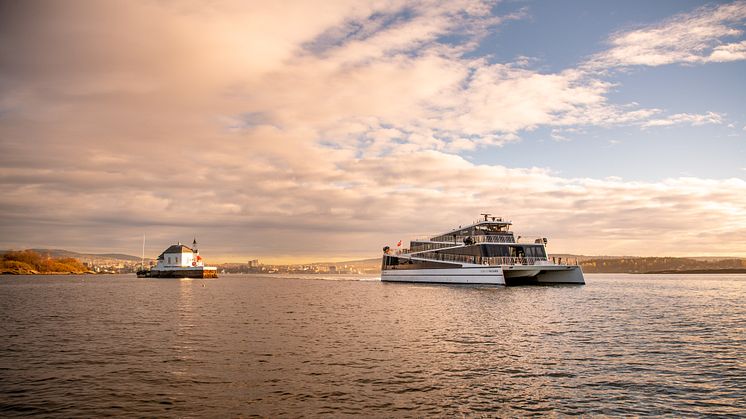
{"x":274,"y":346}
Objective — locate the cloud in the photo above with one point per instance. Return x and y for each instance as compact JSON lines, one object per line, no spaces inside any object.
{"x":705,"y":35}
{"x":557,"y":135}
{"x":685,"y":118}
{"x":306,"y":130}
{"x":364,"y":203}
{"x":729,"y":52}
{"x":501,"y":98}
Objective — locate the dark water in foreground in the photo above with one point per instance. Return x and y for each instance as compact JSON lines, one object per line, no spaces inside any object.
{"x":274,"y":346}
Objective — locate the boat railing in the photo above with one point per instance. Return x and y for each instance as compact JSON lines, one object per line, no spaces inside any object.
{"x":507,"y":260}
{"x":398,"y":252}
{"x":486,"y":238}
{"x":483,"y":260}
{"x":508,"y":239}
{"x":496,"y":238}
{"x":448,"y":257}
{"x":423,"y":247}
{"x":530,"y":240}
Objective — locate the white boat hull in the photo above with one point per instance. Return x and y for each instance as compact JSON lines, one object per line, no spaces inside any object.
{"x":481,"y":275}
{"x":494,"y":275}
{"x":571,"y":275}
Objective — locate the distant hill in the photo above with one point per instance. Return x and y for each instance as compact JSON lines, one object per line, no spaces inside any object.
{"x":590,"y":264}
{"x":583,"y":258}
{"x":360,"y":262}
{"x":662,"y":265}
{"x":85,"y":257}
{"x":703,"y":271}
{"x":617,"y":264}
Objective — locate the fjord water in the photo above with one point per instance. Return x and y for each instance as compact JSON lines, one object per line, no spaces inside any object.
{"x":280,"y":346}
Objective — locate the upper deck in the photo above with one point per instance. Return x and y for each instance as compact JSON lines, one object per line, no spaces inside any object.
{"x":485,"y":242}
{"x":489,"y":230}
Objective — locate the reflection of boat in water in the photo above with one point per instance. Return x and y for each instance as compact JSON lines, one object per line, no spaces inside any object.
{"x":485,"y":252}
{"x":179,"y":261}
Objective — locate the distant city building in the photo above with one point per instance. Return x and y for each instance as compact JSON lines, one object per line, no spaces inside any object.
{"x":254,"y":263}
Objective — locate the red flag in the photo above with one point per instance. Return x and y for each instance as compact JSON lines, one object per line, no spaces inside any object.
{"x":398,"y":244}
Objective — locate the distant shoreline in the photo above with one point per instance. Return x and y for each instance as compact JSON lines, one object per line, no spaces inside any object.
{"x":699,"y":271}
{"x":14,"y":273}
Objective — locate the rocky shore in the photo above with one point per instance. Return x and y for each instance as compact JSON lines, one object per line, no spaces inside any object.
{"x":27,"y":262}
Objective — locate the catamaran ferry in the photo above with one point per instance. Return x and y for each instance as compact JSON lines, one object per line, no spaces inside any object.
{"x":485,"y":252}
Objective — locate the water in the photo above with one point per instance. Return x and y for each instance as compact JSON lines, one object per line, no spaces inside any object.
{"x":273,"y":346}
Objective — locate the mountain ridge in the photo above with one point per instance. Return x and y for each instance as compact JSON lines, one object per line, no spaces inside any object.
{"x":94,"y":257}
{"x":63,"y":253}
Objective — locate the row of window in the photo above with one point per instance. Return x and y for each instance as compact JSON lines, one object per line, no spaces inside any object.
{"x":520,"y":251}
{"x":421,"y":247}
{"x":512,"y":250}
{"x":175,"y":260}
{"x":393,"y":262}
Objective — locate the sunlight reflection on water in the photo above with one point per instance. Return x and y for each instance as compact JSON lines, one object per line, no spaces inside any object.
{"x":276,"y":346}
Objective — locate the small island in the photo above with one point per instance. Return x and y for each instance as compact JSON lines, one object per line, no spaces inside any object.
{"x":28,"y":262}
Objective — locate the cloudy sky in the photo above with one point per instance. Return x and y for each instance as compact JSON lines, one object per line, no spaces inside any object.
{"x":324,"y":130}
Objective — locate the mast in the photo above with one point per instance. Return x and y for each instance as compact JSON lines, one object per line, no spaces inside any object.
{"x":142,"y":259}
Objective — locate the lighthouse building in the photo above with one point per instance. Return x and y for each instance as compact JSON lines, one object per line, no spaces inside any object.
{"x":179,"y":256}
{"x":180,"y":261}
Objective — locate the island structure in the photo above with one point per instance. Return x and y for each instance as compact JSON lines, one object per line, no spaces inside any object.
{"x":180,"y":261}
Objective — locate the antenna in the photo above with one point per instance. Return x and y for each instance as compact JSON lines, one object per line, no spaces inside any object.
{"x":485,"y":216}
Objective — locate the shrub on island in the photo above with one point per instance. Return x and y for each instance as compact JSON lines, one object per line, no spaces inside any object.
{"x":25,"y":262}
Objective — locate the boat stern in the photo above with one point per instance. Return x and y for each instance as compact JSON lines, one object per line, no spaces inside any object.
{"x":543,"y":274}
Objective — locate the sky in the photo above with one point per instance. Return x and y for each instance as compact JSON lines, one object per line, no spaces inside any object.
{"x":324,"y":130}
